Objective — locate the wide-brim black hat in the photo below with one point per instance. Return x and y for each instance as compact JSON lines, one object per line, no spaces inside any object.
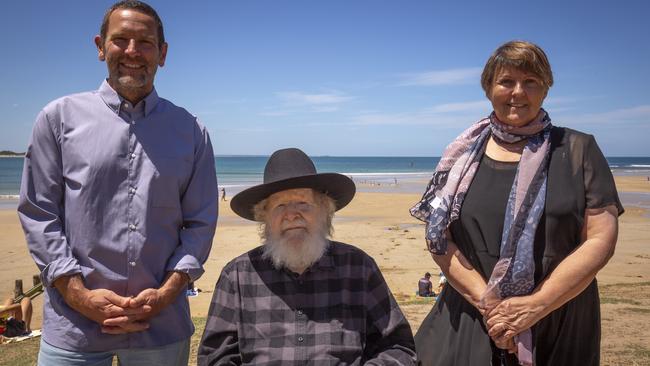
{"x":288,"y":169}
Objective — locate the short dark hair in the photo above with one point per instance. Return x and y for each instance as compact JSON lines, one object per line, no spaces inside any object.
{"x":138,"y":6}
{"x":522,"y":55}
{"x":427,"y":274}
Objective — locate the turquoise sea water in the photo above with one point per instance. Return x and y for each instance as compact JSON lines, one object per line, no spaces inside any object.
{"x":237,"y":172}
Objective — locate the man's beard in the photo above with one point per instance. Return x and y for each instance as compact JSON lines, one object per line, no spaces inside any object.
{"x":296,"y":251}
{"x":131,"y":82}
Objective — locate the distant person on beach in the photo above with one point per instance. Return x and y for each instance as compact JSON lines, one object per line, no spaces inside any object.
{"x":425,"y":287}
{"x":521,"y":215}
{"x":442,"y":282}
{"x":16,"y":317}
{"x":300,"y":298}
{"x":223,"y":195}
{"x":119,"y":206}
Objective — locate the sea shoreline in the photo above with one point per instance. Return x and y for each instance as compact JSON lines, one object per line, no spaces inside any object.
{"x":636,"y":194}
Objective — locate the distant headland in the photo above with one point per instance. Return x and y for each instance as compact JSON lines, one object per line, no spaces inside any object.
{"x":10,"y":154}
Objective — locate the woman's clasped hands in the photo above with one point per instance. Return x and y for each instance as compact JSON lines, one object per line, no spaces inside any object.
{"x":508,"y":318}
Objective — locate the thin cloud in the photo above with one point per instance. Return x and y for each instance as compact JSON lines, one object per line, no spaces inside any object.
{"x":230,"y":101}
{"x":465,"y":114}
{"x":278,"y":113}
{"x":244,"y":129}
{"x":561,"y":100}
{"x":302,"y":98}
{"x":479,"y":105}
{"x":298,"y":102}
{"x":415,"y":119}
{"x":635,"y":115}
{"x":295,"y":111}
{"x":443,"y":77}
{"x":449,"y":115}
{"x":557,"y":104}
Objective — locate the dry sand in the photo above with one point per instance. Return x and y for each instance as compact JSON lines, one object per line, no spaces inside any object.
{"x":379,"y":223}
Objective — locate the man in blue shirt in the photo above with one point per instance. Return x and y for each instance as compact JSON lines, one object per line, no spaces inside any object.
{"x":119,"y":206}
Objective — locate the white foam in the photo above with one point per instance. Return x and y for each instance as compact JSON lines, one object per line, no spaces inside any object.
{"x":234,"y":185}
{"x":389,"y":174}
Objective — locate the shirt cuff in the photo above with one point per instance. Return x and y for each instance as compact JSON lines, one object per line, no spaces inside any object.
{"x":58,"y":268}
{"x":185,"y":263}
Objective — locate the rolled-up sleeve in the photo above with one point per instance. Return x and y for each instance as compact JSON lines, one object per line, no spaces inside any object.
{"x":41,"y":205}
{"x":200,"y":210}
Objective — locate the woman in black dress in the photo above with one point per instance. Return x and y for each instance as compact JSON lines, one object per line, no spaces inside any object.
{"x":520,"y":215}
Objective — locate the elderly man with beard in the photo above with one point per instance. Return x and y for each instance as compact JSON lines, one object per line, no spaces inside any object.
{"x":300,"y":298}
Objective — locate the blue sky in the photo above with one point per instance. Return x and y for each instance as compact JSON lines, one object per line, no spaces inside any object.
{"x":343,"y":77}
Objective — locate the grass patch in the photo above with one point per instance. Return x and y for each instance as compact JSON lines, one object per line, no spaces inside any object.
{"x":417,"y":301}
{"x":20,"y":353}
{"x":406,"y":299}
{"x":25,"y":353}
{"x":199,"y":324}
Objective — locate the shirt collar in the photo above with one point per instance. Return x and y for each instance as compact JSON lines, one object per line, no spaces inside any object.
{"x":114,"y":100}
{"x":327,"y":260}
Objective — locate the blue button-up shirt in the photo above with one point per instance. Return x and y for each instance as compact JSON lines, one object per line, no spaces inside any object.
{"x":121,"y":195}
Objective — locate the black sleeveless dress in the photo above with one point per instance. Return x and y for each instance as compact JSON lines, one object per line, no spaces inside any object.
{"x":579,"y":177}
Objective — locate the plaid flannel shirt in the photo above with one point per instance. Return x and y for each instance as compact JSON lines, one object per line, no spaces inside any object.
{"x":338,"y":312}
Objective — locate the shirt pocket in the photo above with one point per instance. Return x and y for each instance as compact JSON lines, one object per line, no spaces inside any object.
{"x":170,"y":177}
{"x":344,"y":325}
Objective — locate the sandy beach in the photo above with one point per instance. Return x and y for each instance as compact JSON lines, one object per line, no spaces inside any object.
{"x":377,"y":221}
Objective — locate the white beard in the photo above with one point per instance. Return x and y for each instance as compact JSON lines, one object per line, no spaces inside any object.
{"x":295,"y":254}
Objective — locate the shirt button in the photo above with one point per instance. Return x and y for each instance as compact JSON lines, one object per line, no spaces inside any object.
{"x":133,"y":155}
{"x":132,"y":264}
{"x":301,"y":338}
{"x":300,"y":312}
{"x":131,"y":190}
{"x":132,"y":227}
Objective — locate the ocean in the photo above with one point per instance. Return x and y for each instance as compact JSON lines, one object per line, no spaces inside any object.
{"x":238,"y":172}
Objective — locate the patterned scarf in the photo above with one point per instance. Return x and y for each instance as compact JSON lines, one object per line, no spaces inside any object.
{"x":441,"y":203}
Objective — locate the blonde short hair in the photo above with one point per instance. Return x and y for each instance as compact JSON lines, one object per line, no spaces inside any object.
{"x":522,"y":55}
